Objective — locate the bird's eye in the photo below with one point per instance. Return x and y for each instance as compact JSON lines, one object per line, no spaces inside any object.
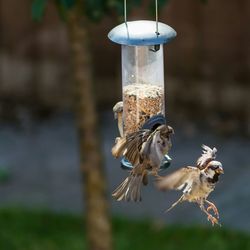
{"x":214,"y":167}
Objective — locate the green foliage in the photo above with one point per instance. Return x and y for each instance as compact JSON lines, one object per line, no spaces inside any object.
{"x":38,"y":9}
{"x":67,"y":4}
{"x":116,"y":5}
{"x":63,"y":6}
{"x":29,"y":230}
{"x":34,"y":230}
{"x":93,"y":9}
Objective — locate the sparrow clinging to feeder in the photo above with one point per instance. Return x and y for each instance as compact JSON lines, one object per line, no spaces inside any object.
{"x":196,"y":182}
{"x":118,"y":110}
{"x":145,"y":150}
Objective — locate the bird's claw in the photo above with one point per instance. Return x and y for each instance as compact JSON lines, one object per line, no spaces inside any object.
{"x":155,"y":173}
{"x":214,"y":209}
{"x":213,"y":220}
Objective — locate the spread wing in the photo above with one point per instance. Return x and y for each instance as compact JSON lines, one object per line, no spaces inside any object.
{"x":119,"y":147}
{"x":131,"y":145}
{"x":178,"y":179}
{"x":145,"y":147}
{"x":208,"y":155}
{"x":134,"y":145}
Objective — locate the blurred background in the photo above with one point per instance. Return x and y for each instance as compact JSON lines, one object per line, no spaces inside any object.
{"x":207,"y":75}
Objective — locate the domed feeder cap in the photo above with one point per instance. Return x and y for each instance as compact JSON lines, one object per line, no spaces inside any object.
{"x":143,"y":32}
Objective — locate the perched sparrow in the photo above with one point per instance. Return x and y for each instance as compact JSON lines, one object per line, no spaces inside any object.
{"x":196,"y":182}
{"x":145,"y":150}
{"x":118,"y":109}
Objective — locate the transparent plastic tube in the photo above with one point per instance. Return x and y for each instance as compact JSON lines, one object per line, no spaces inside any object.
{"x":143,"y":85}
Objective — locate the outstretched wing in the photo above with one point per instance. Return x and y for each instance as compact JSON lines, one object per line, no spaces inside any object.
{"x":130,"y":145}
{"x":119,"y":147}
{"x":208,"y":155}
{"x":134,"y":145}
{"x":178,"y":179}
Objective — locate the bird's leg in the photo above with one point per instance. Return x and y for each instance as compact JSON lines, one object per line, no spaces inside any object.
{"x":212,"y":207}
{"x":154,"y":172}
{"x":209,"y":216}
{"x":176,"y":203}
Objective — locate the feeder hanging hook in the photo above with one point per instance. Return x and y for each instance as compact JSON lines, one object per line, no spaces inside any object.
{"x":156,"y":15}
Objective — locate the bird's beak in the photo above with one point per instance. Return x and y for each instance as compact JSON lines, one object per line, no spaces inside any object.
{"x":219,"y":171}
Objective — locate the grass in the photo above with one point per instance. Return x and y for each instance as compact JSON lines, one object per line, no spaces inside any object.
{"x":40,"y":230}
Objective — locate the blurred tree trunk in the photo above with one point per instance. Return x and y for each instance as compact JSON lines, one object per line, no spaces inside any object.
{"x":98,"y":223}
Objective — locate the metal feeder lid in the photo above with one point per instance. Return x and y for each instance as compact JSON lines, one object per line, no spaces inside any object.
{"x":141,"y":33}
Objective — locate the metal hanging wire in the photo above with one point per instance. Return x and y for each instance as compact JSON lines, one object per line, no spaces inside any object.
{"x":156,"y":18}
{"x":156,"y":15}
{"x":125,"y":12}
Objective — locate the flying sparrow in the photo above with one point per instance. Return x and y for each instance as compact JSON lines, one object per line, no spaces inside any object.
{"x":145,"y":150}
{"x":196,"y":182}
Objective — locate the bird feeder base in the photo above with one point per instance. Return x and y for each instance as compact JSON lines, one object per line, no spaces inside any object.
{"x":126,"y":165}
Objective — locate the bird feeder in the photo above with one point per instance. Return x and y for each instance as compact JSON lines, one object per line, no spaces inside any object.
{"x":142,"y":70}
{"x":142,"y":75}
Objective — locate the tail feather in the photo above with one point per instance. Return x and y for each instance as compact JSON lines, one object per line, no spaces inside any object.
{"x":176,"y":203}
{"x":129,"y":189}
{"x":119,"y":193}
{"x":136,"y":189}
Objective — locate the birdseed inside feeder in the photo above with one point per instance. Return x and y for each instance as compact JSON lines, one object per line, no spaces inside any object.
{"x":142,"y":70}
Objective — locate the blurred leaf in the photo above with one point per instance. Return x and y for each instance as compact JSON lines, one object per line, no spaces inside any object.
{"x":95,"y":9}
{"x":118,"y":6}
{"x":62,"y":10}
{"x":38,"y":9}
{"x":67,"y":4}
{"x":63,"y":6}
